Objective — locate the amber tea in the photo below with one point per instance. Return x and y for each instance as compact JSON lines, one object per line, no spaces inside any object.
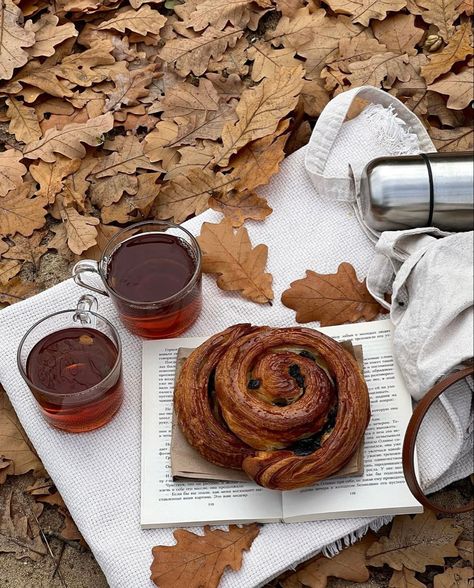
{"x":152,"y":273}
{"x":70,"y":361}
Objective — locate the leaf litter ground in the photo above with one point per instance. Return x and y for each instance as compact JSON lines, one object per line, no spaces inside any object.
{"x":115,"y":111}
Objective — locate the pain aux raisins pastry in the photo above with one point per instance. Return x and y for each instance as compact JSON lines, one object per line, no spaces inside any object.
{"x":288,"y":406}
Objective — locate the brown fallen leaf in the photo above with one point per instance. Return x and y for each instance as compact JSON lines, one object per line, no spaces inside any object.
{"x":21,"y":214}
{"x":13,"y":40}
{"x":239,"y":266}
{"x":80,"y":229}
{"x":14,"y":444}
{"x":459,"y":87}
{"x":104,"y":234}
{"x":441,"y":13}
{"x":200,"y":560}
{"x":193,"y":54}
{"x":14,"y":291}
{"x":383,"y":68}
{"x":363,"y":11}
{"x":454,"y":578}
{"x":142,"y":21}
{"x":404,"y":578}
{"x":23,"y":121}
{"x":128,"y":156}
{"x":186,"y":195}
{"x":217,"y":13}
{"x":11,"y":170}
{"x":260,"y":110}
{"x":315,"y":97}
{"x":240,"y":206}
{"x":415,"y":543}
{"x":458,"y":48}
{"x":106,"y":191}
{"x":68,"y":141}
{"x":130,"y":86}
{"x":349,"y":564}
{"x":28,"y":249}
{"x":44,"y":491}
{"x":399,"y":33}
{"x":331,"y":299}
{"x":50,"y":176}
{"x":267,"y":61}
{"x":5,"y":465}
{"x":466,"y":550}
{"x":460,"y":139}
{"x":9,"y":268}
{"x":18,"y":535}
{"x":48,"y":34}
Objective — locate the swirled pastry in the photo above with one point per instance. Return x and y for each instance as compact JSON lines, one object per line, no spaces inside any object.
{"x":288,"y":406}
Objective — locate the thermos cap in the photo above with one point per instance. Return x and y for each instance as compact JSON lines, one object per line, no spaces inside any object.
{"x":432,"y":189}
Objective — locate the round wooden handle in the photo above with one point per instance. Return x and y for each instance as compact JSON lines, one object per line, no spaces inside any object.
{"x":411,"y":434}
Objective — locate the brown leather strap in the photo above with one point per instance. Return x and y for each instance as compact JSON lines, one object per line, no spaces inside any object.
{"x":409,"y":443}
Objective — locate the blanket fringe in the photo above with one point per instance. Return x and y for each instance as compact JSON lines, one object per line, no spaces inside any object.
{"x":334,"y":548}
{"x":391,"y":130}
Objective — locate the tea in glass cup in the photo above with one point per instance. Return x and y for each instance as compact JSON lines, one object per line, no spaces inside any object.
{"x":71,"y":361}
{"x":152,"y":273}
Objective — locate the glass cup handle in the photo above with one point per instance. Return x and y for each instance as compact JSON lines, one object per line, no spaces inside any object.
{"x":87,"y":265}
{"x":85,"y":305}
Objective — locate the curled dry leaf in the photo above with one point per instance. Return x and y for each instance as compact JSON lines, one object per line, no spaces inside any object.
{"x":200,"y":560}
{"x":454,"y":578}
{"x":331,"y":299}
{"x":362,"y":11}
{"x":68,"y":141}
{"x":458,"y":48}
{"x":239,"y":206}
{"x":239,"y":266}
{"x":416,"y":543}
{"x":260,"y":110}
{"x":404,"y":578}
{"x":13,"y":39}
{"x":459,"y":87}
{"x":11,"y":170}
{"x":14,"y":444}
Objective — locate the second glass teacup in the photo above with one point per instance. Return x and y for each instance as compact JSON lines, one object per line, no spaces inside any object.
{"x":152,"y":272}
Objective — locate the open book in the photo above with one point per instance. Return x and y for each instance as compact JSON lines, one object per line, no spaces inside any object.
{"x":380,"y":491}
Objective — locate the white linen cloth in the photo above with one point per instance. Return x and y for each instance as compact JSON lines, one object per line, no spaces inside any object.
{"x":98,"y":473}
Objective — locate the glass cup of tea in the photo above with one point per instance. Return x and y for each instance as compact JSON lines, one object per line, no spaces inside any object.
{"x":152,"y":272}
{"x":72,"y":363}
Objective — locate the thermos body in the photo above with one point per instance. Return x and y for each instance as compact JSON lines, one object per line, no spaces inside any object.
{"x":433,"y":189}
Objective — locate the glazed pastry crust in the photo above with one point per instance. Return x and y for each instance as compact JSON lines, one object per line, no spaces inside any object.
{"x":249,"y":394}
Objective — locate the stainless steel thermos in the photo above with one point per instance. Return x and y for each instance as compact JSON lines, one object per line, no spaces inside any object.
{"x":429,"y":189}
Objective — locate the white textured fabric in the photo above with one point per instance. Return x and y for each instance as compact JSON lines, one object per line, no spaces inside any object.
{"x":98,"y":473}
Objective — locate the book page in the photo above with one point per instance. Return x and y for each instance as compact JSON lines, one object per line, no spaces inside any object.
{"x":165,"y":503}
{"x":382,"y":489}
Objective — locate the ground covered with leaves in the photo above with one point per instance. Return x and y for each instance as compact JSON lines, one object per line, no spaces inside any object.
{"x":114,"y":111}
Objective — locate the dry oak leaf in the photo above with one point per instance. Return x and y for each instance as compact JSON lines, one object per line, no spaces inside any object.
{"x":458,"y":48}
{"x":459,"y":87}
{"x":80,"y":230}
{"x":441,"y":13}
{"x":50,"y":176}
{"x":198,"y":561}
{"x":260,"y":110}
{"x":28,"y":249}
{"x":362,"y":11}
{"x":460,"y":139}
{"x":230,"y":255}
{"x":142,"y":21}
{"x":21,"y":214}
{"x":106,"y":191}
{"x":88,"y":67}
{"x":160,"y":143}
{"x":43,"y":78}
{"x":12,"y":40}
{"x":185,"y":99}
{"x":128,"y":156}
{"x":130,"y":86}
{"x":240,"y":206}
{"x":11,"y":170}
{"x":233,"y":61}
{"x":23,"y":121}
{"x":14,"y":444}
{"x":383,"y":68}
{"x":48,"y":34}
{"x":289,"y":7}
{"x":5,"y":465}
{"x":191,"y":157}
{"x":186,"y":195}
{"x":315,"y":97}
{"x":9,"y":268}
{"x":217,"y":13}
{"x":466,"y":550}
{"x":266,"y":61}
{"x":466,"y":6}
{"x":18,"y":535}
{"x":44,"y":491}
{"x":14,"y":291}
{"x":399,"y":33}
{"x":455,"y":578}
{"x":264,"y":155}
{"x":404,"y":579}
{"x":349,"y":564}
{"x":331,"y":299}
{"x":104,"y":234}
{"x":69,"y":139}
{"x":297,"y":32}
{"x":193,"y":54}
{"x":416,"y":543}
